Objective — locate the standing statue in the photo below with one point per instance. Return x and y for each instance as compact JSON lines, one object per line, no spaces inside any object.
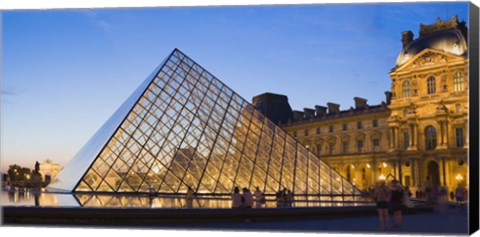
{"x":36,"y":177}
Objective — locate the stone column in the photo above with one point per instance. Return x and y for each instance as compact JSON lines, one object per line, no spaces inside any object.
{"x":444,"y":172}
{"x":390,"y":140}
{"x":394,"y":166}
{"x":465,"y":135}
{"x":447,"y":132}
{"x":400,"y":178}
{"x":415,"y":136}
{"x":395,"y":137}
{"x":420,"y":173}
{"x":412,"y":171}
{"x":411,"y":136}
{"x":447,"y":172}
{"x":442,"y":131}
{"x":443,"y":134}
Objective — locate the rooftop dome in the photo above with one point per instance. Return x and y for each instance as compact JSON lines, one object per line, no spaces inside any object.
{"x":447,"y":36}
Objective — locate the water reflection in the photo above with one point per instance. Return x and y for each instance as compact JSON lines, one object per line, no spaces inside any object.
{"x":38,"y":198}
{"x":46,"y":199}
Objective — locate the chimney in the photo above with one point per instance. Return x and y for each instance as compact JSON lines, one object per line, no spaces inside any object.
{"x":388,"y":96}
{"x":333,"y":108}
{"x":309,"y":113}
{"x":297,"y":115}
{"x":321,"y":110}
{"x":360,"y":103}
{"x":407,"y":37}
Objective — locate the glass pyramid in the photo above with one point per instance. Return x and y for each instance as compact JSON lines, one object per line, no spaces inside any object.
{"x":184,"y":128}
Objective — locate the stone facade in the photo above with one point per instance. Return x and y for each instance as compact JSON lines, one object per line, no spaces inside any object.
{"x":429,"y":109}
{"x":419,"y":134}
{"x":353,"y":142}
{"x":47,"y":167}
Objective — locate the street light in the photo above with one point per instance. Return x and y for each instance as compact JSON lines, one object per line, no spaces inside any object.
{"x":381,"y":177}
{"x":459,"y":177}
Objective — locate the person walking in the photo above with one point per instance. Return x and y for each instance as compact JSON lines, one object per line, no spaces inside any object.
{"x":284,"y":198}
{"x":396,"y":198}
{"x":247,"y":198}
{"x":236,"y":198}
{"x":289,"y":198}
{"x":278,"y":197}
{"x":459,"y":194}
{"x":380,"y":194}
{"x":259,"y":198}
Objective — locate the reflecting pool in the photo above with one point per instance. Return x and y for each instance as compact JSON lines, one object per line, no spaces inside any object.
{"x":21,"y":197}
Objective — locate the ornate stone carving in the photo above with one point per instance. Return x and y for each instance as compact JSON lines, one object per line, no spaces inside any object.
{"x":439,"y":26}
{"x":443,"y":82}
{"x":415,"y":88}
{"x":429,"y":58}
{"x":441,"y":108}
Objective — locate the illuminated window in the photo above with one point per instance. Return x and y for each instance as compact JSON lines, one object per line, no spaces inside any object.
{"x":360,"y":146}
{"x":376,"y":144}
{"x":331,"y":148}
{"x":431,"y":85}
{"x":406,"y":89}
{"x":406,"y":140}
{"x":459,"y":133}
{"x":319,"y":149}
{"x":458,"y":81}
{"x":430,"y":138}
{"x":345,"y":147}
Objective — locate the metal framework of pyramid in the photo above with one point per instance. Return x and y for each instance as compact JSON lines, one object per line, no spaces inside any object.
{"x":184,"y":128}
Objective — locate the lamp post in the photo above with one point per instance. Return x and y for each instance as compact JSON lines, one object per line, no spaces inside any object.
{"x":459,"y":178}
{"x":381,"y":177}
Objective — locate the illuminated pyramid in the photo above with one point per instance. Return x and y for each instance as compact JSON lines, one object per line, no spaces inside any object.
{"x":184,"y":128}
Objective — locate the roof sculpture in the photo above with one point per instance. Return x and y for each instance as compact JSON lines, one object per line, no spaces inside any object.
{"x":445,"y":36}
{"x":183,"y":128}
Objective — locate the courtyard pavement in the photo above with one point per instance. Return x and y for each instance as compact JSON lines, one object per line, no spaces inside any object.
{"x":443,"y":222}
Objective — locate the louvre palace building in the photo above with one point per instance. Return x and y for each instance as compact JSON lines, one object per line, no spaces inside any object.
{"x":418,"y":135}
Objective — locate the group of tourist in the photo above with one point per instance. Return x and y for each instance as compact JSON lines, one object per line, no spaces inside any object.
{"x":284,"y":198}
{"x":460,"y":196}
{"x":435,"y":193}
{"x":246,"y":198}
{"x":392,"y":197}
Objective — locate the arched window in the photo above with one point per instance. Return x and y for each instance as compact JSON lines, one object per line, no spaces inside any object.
{"x":406,"y":89}
{"x":458,"y":81}
{"x":430,"y":138}
{"x":431,"y":85}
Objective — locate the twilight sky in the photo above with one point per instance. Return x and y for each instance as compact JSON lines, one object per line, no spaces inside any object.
{"x":64,"y":72}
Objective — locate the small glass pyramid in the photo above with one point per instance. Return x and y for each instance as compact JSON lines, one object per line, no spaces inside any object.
{"x":184,"y":128}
